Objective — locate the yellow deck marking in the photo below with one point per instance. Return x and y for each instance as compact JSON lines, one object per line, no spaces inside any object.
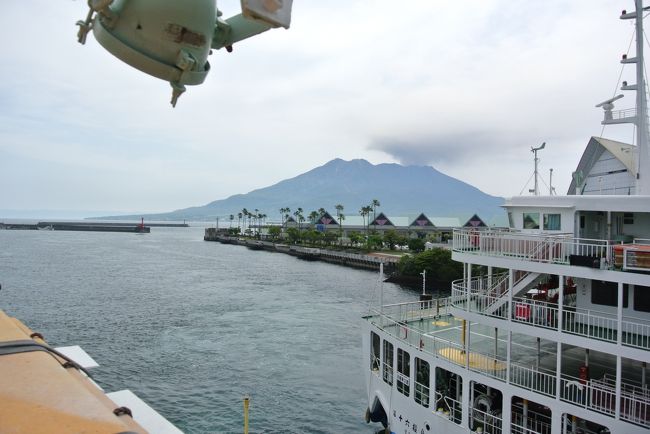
{"x":476,"y":361}
{"x":440,"y":323}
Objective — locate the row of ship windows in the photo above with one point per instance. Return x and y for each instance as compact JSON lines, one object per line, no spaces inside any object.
{"x":487,"y":404}
{"x":531,"y":220}
{"x":403,"y":375}
{"x":553,"y":222}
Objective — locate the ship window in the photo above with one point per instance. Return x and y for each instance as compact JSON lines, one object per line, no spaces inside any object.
{"x":403,"y":371}
{"x":552,"y":222}
{"x":448,"y":395}
{"x":641,"y":298}
{"x":375,"y":342}
{"x":606,"y":293}
{"x":388,"y":362}
{"x":628,"y":218}
{"x":421,"y":382}
{"x":531,"y":220}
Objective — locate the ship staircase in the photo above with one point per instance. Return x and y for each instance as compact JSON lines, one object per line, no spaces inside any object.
{"x":495,"y":298}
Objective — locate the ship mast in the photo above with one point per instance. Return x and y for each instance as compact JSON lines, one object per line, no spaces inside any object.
{"x":640,"y":116}
{"x":642,"y":177}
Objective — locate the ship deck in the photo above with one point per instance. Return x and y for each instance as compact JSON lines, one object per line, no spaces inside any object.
{"x":532,"y":364}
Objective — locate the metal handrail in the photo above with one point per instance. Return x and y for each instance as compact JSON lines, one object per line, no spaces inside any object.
{"x":535,"y":247}
{"x":533,"y":378}
{"x":623,"y":114}
{"x":454,"y":408}
{"x":491,"y":423}
{"x":578,"y":321}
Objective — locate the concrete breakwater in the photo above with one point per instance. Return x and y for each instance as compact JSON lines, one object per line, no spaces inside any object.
{"x":77,"y":226}
{"x":356,"y":260}
{"x":92,"y":226}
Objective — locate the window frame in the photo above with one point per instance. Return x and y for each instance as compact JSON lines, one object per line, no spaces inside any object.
{"x":422,"y":391}
{"x":387,"y":372}
{"x":546,"y":222}
{"x":403,"y":372}
{"x":535,"y":220}
{"x":375,"y":352}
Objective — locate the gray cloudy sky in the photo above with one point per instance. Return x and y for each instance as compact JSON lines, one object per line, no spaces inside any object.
{"x":465,"y":86}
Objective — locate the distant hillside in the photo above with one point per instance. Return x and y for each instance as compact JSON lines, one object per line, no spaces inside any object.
{"x":402,"y":191}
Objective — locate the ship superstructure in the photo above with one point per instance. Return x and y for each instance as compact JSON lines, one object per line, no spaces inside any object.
{"x":548,"y":331}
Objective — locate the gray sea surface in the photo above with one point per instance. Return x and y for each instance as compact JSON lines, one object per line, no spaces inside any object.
{"x":192,"y":326}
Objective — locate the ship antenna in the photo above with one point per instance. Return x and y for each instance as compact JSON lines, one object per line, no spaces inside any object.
{"x":535,"y":190}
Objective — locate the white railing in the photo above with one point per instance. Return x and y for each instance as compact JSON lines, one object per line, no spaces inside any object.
{"x":481,"y":303}
{"x":535,"y":379}
{"x":489,"y":422}
{"x":592,"y":394}
{"x":577,"y":321}
{"x":418,"y":339}
{"x":635,"y":399}
{"x":388,"y":373}
{"x":597,"y":395}
{"x":516,"y":428}
{"x":628,"y":386}
{"x":593,"y":324}
{"x":448,"y":408}
{"x":642,"y":241}
{"x":555,"y":249}
{"x":488,"y":294}
{"x":635,"y":409}
{"x":422,"y":394}
{"x":534,"y":423}
{"x":535,"y":312}
{"x":488,"y":364}
{"x":414,"y":310}
{"x":623,"y":114}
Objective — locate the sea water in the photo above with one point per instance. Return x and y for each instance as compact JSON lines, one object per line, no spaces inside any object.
{"x":192,"y":326}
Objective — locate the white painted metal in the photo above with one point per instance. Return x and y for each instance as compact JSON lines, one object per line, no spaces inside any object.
{"x":531,"y":348}
{"x":146,"y":416}
{"x":79,"y":356}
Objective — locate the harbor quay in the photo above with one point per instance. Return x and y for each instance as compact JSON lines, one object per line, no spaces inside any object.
{"x":89,"y":226}
{"x":370,"y":261}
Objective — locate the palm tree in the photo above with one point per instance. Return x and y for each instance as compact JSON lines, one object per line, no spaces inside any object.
{"x":232,"y":217}
{"x":362,"y":211}
{"x":283,"y":211}
{"x":245,"y":213}
{"x":299,"y":218}
{"x":375,"y":204}
{"x":240,"y":215}
{"x":339,"y":213}
{"x":341,"y":218}
{"x":321,"y":212}
{"x":366,"y":210}
{"x":313,"y":216}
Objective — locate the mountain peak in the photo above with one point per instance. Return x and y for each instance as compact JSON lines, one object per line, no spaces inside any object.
{"x":402,"y":191}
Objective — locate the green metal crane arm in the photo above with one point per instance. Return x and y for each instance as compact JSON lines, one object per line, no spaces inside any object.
{"x":235,"y":29}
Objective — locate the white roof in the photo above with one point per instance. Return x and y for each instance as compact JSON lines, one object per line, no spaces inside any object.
{"x":623,"y":152}
{"x":583,"y":203}
{"x":445,"y":222}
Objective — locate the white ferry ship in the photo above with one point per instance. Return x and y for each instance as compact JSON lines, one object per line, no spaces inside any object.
{"x":548,"y":331}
